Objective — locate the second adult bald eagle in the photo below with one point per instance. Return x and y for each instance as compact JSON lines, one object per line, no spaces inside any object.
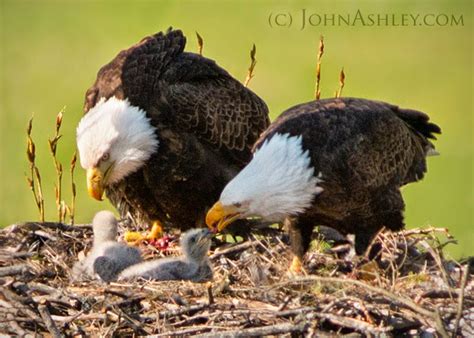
{"x":334,"y":162}
{"x":165,"y":130}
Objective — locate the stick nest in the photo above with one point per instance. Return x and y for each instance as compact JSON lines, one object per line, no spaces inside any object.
{"x":411,"y":289}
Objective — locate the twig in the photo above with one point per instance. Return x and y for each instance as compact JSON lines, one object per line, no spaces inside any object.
{"x":61,"y":300}
{"x":232,"y":249}
{"x":15,"y":326}
{"x":14,"y":270}
{"x":48,"y":321}
{"x":5,"y":255}
{"x":136,"y":326}
{"x":44,"y":234}
{"x":14,"y":300}
{"x":210,"y":296}
{"x":425,"y":231}
{"x":438,"y":259}
{"x":180,"y":311}
{"x":270,"y":330}
{"x":32,"y":226}
{"x":283,"y":305}
{"x":185,"y":332}
{"x":352,"y":323}
{"x":444,"y":294}
{"x":109,"y":315}
{"x":253,"y":62}
{"x":461,"y":299}
{"x":295,"y":312}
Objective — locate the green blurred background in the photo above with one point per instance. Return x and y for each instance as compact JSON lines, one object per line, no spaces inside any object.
{"x":51,"y":51}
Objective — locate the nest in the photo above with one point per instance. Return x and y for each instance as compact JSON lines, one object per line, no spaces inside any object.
{"x":409,"y":289}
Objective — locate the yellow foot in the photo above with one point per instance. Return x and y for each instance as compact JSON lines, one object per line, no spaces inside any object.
{"x":135,"y":237}
{"x":156,"y":231}
{"x":296,"y":267}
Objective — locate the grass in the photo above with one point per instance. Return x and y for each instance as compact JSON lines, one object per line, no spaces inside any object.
{"x":52,"y":50}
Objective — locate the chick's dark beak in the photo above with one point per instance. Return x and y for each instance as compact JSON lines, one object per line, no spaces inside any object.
{"x":207,"y":233}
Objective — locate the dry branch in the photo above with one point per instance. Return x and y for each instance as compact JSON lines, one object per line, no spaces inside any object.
{"x":14,"y":270}
{"x":48,"y":321}
{"x":461,"y":300}
{"x":352,"y":323}
{"x":277,"y":329}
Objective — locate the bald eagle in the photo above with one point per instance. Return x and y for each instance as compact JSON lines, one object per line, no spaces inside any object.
{"x":165,"y":130}
{"x":334,"y":162}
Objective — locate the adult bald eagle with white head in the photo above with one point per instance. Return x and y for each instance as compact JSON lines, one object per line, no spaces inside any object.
{"x":165,"y":130}
{"x":334,"y":162}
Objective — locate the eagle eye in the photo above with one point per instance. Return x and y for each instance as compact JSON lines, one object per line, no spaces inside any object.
{"x":237,"y":204}
{"x":105,"y":157}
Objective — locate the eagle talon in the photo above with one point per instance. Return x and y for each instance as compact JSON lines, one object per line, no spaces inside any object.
{"x":156,"y":231}
{"x":296,"y":267}
{"x":136,"y":238}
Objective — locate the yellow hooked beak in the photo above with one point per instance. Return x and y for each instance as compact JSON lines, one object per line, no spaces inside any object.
{"x":222,"y":215}
{"x":95,"y":183}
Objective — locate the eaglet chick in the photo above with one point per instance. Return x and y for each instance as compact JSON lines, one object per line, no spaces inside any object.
{"x":194,"y":265}
{"x":107,"y":257}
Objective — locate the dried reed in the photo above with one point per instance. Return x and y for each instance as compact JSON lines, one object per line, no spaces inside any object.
{"x":72,"y":208}
{"x":200,"y":42}
{"x":317,"y":91}
{"x":34,"y":180}
{"x":53,"y":144}
{"x":253,"y":62}
{"x":342,"y":77}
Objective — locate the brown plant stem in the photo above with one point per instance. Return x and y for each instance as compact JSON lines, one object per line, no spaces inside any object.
{"x":342,"y":77}
{"x":200,"y":42}
{"x":317,"y":91}
{"x":72,"y":209}
{"x":253,"y":62}
{"x":53,"y":143}
{"x":34,"y":180}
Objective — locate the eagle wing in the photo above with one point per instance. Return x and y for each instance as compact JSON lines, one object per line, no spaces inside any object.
{"x":184,"y":91}
{"x":212,"y":104}
{"x":357,"y":140}
{"x":132,"y":73}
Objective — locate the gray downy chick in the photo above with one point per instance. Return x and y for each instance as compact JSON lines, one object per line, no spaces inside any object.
{"x":194,"y":265}
{"x":107,"y":257}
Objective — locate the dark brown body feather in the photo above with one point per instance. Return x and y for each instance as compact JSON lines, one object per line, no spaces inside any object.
{"x":205,"y":120}
{"x":365,"y":151}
